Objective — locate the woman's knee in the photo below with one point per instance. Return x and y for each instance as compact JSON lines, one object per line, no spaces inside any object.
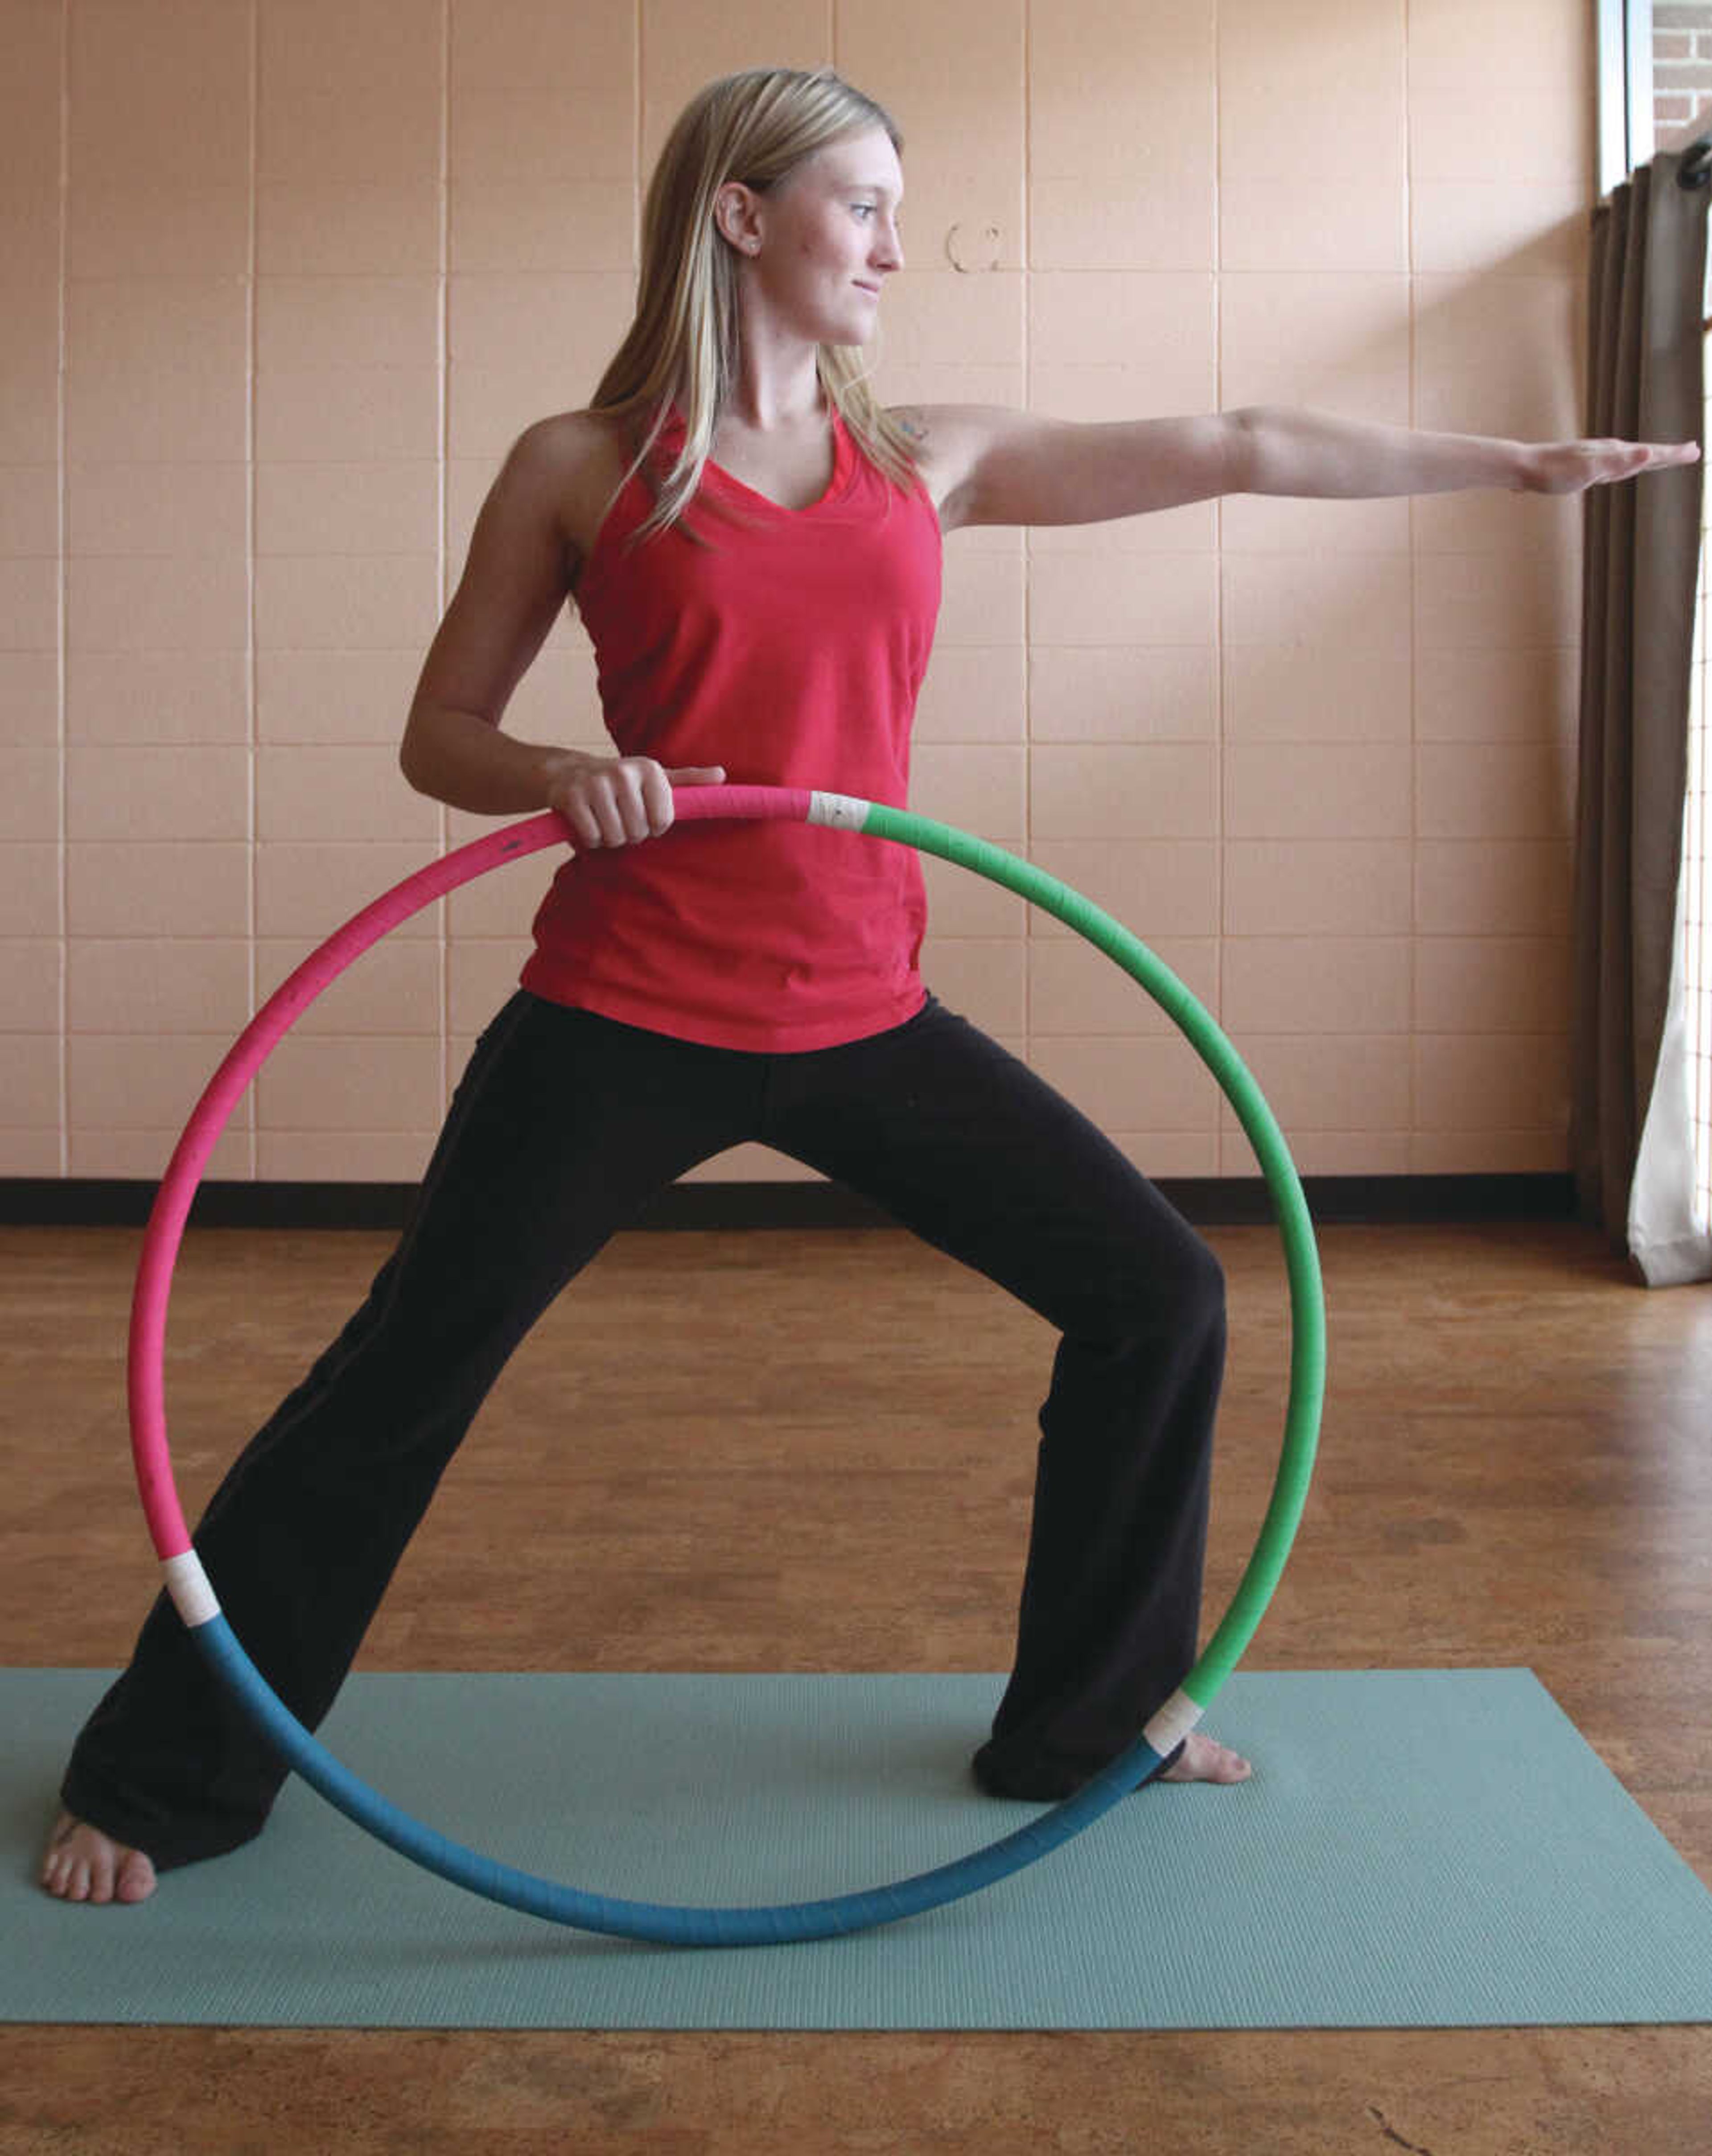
{"x":1197,"y":1293}
{"x":1179,"y":1292}
{"x":1205,"y":1281}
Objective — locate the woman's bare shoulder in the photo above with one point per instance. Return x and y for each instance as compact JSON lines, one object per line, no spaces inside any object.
{"x":566,"y":443}
{"x":581,"y":457}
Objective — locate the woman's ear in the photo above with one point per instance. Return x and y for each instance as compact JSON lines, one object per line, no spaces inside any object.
{"x":735,"y":214}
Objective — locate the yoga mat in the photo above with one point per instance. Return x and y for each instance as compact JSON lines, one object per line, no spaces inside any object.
{"x":1416,"y":1848}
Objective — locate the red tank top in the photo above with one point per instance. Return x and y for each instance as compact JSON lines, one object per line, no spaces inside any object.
{"x":792,"y":656}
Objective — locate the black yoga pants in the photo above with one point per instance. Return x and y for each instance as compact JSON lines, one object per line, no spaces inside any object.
{"x":563,"y":1127}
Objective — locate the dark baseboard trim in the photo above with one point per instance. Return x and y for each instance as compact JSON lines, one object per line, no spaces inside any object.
{"x":1208,"y":1201}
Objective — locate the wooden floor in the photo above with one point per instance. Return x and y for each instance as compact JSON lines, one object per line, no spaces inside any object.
{"x":813,"y":1450}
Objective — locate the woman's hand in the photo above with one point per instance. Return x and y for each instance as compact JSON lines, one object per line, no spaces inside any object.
{"x":614,"y":800}
{"x":1572,"y":467}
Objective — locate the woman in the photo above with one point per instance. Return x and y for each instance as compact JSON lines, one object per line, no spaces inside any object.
{"x":759,"y":984}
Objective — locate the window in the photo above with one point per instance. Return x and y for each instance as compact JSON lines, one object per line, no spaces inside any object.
{"x":1625,"y":88}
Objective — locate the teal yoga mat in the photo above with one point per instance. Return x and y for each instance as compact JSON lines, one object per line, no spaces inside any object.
{"x":1417,"y":1848}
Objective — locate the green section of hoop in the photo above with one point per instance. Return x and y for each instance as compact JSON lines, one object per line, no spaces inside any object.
{"x":1290,"y":1494}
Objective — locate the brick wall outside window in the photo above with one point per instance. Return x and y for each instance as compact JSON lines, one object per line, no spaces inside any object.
{"x":1682,"y":66}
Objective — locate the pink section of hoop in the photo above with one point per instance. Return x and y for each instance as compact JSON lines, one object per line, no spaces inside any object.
{"x":256,"y":1043}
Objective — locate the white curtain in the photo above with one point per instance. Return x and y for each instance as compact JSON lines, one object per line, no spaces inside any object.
{"x":1666,"y":1240}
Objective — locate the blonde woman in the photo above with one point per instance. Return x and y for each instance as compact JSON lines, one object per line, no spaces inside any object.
{"x":753,"y":546}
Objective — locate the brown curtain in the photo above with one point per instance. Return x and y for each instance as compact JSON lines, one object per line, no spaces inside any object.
{"x":1641,"y":560}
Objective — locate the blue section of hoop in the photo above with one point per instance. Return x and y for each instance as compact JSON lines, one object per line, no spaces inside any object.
{"x":782,"y":1924}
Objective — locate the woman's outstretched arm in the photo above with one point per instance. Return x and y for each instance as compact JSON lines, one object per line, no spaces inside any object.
{"x":1013,"y":467}
{"x":1311,"y":453}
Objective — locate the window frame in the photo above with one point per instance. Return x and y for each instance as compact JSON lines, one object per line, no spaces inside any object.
{"x":1626,"y":136}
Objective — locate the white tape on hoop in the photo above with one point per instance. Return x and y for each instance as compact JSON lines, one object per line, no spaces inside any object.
{"x":187,"y":1584}
{"x":1173,"y":1724}
{"x":841,"y":810}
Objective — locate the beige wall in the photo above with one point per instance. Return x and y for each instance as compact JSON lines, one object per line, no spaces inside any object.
{"x":280,"y":282}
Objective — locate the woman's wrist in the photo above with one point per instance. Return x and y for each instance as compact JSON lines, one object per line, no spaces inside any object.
{"x":1526,"y":475}
{"x":460,"y":758}
{"x":554,"y":766}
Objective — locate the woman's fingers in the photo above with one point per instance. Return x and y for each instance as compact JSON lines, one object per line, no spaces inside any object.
{"x":1657,"y":456}
{"x":615,"y":796}
{"x":1573,"y":467}
{"x":616,"y":811}
{"x":654,"y":801}
{"x":617,"y":802}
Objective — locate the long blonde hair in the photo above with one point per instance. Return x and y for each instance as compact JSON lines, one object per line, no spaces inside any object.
{"x":682,"y":347}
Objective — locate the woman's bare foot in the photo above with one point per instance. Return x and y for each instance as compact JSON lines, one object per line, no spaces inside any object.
{"x":84,"y":1865}
{"x":1204,"y":1760}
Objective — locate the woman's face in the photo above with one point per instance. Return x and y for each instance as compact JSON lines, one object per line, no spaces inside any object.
{"x":828,"y":237}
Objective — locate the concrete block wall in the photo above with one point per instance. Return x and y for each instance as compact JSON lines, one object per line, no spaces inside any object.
{"x":280,"y":280}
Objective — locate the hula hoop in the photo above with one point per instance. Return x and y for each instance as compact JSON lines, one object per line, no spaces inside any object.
{"x":197,"y":1605}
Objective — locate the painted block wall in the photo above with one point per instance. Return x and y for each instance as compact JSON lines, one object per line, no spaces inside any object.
{"x":281,"y":279}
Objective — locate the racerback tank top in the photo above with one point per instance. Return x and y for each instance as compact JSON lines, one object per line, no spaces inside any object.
{"x":793,"y":655}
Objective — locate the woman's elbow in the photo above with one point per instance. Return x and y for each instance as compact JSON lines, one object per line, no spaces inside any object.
{"x":414,"y":756}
